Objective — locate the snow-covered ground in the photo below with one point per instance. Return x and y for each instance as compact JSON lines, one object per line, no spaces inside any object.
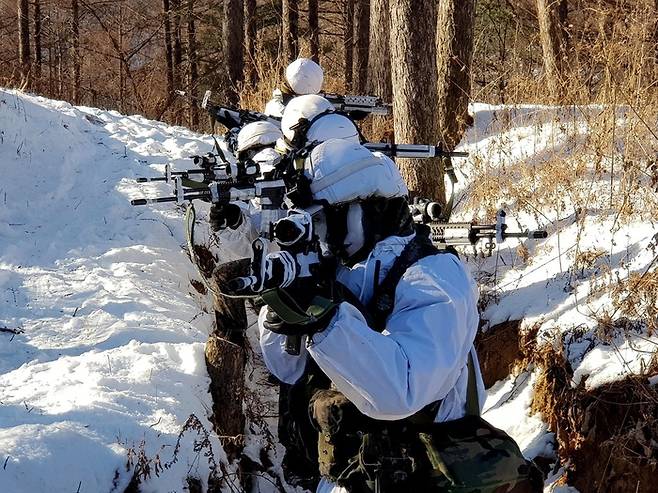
{"x":564,"y":285}
{"x":109,"y":362}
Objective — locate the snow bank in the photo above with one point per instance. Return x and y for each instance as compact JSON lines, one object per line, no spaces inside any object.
{"x":110,"y":358}
{"x":564,"y":283}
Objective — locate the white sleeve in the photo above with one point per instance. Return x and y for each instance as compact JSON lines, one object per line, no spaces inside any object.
{"x":419,"y":357}
{"x":286,"y":367}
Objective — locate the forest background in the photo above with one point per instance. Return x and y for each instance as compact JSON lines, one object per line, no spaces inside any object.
{"x":431,"y":58}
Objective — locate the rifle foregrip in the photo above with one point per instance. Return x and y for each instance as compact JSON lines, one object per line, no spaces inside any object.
{"x":239,"y":284}
{"x":139,"y":202}
{"x":537,"y":235}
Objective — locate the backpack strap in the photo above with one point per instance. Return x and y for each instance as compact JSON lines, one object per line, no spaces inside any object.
{"x":381,"y":305}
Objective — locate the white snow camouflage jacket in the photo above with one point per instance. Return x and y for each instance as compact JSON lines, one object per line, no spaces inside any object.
{"x":421,"y":355}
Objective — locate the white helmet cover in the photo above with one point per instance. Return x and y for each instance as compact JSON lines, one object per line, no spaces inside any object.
{"x":307,"y":107}
{"x":342,"y":171}
{"x":333,"y":126}
{"x":257,"y":134}
{"x":304,"y":76}
{"x":267,"y":159}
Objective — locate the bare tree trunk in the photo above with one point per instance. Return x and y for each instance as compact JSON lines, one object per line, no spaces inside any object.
{"x":250,"y":41}
{"x":290,"y":29}
{"x":60,"y":63}
{"x":24,"y":41}
{"x":75,"y":32}
{"x":454,"y":44}
{"x":415,"y":99}
{"x":348,"y":44}
{"x":37,"y":43}
{"x":379,"y":57}
{"x":552,"y":16}
{"x":193,"y":79}
{"x":314,"y":30}
{"x":177,"y":56}
{"x":361,"y":41}
{"x":166,"y":8}
{"x":122,"y":77}
{"x":51,"y":69}
{"x":233,"y":48}
{"x":177,"y":43}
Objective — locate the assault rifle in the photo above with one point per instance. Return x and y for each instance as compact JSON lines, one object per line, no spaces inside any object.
{"x":357,"y":106}
{"x":410,"y":151}
{"x":233,"y":117}
{"x":211,"y":170}
{"x":450,"y":234}
{"x":300,"y":248}
{"x":299,"y":261}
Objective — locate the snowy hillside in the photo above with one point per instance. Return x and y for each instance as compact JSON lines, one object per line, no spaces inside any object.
{"x":102,"y":360}
{"x":109,"y":360}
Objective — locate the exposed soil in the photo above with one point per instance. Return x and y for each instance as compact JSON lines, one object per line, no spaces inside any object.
{"x":499,"y":351}
{"x":608,"y":436}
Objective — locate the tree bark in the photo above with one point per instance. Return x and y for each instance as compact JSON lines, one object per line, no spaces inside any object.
{"x":454,"y":44}
{"x":169,"y":52}
{"x":177,"y":57}
{"x":415,"y":96}
{"x":122,"y":76}
{"x":314,"y":30}
{"x":233,"y":48}
{"x":361,"y":41}
{"x":250,"y":41}
{"x":193,"y":74}
{"x":290,"y":31}
{"x":37,"y":42}
{"x":348,"y":44}
{"x":379,"y":51}
{"x":24,"y":41}
{"x":177,"y":44}
{"x":552,"y":17}
{"x":75,"y":33}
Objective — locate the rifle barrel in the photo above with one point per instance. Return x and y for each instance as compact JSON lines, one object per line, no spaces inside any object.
{"x":146,"y":180}
{"x":152,"y":201}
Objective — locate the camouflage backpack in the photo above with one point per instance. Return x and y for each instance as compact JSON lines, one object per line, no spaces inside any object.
{"x":466,"y":455}
{"x":470,"y":455}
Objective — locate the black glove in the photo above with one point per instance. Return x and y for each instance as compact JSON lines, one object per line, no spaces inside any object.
{"x":275,"y":324}
{"x":225,"y":216}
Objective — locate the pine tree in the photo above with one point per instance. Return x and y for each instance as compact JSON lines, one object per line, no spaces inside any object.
{"x":361,"y":41}
{"x":454,"y":57}
{"x":24,"y":41}
{"x":379,"y":51}
{"x":233,"y":48}
{"x":289,"y":28}
{"x":413,"y":23}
